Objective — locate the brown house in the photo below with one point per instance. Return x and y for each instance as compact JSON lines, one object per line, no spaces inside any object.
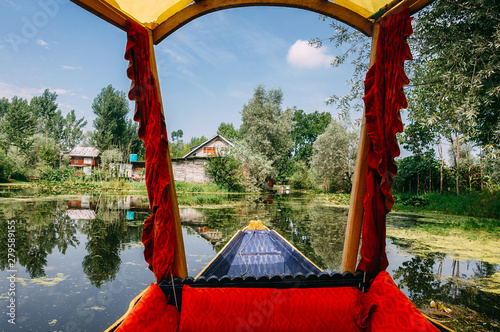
{"x":84,"y":157}
{"x":191,"y":167}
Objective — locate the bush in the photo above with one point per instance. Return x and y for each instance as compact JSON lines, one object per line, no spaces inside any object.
{"x":56,"y":175}
{"x":11,"y":168}
{"x":301,"y":178}
{"x":226,"y":171}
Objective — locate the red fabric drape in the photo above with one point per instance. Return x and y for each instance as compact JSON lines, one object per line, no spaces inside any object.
{"x":158,"y":235}
{"x":384,"y":97}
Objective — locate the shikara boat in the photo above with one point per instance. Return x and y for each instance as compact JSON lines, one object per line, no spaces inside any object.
{"x":259,"y":282}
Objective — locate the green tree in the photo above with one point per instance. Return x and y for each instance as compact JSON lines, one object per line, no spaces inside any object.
{"x":73,"y":130}
{"x":50,"y":122}
{"x":266,"y":128}
{"x":45,"y":151}
{"x":4,"y":106}
{"x":19,"y":124}
{"x":228,"y":131}
{"x":176,"y":144}
{"x":420,"y":173}
{"x":301,"y":177}
{"x":226,"y":171}
{"x":111,"y":109}
{"x":458,"y":67}
{"x":256,"y":167}
{"x":177,"y":134}
{"x":133,"y":144}
{"x":306,"y":129}
{"x":108,"y":158}
{"x":331,"y":157}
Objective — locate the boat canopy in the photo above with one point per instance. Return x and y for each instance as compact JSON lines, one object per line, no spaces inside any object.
{"x":163,"y":17}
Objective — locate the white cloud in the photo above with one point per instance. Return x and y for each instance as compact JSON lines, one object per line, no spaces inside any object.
{"x":302,"y":55}
{"x":10,"y":90}
{"x":62,"y":92}
{"x":42,"y":43}
{"x":70,"y":67}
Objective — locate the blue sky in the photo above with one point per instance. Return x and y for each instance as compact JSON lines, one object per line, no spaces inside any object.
{"x":208,"y":69}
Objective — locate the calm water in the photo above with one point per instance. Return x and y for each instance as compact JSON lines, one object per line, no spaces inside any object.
{"x":79,"y":260}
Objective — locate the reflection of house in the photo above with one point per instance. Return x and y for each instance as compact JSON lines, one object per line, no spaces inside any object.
{"x":84,"y":157}
{"x":191,"y":167}
{"x":81,"y":214}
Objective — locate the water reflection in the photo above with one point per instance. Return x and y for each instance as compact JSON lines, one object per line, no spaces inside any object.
{"x":41,"y":227}
{"x":105,"y":227}
{"x":425,"y":279}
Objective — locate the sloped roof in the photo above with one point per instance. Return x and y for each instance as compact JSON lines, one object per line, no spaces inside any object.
{"x":163,"y":17}
{"x":195,"y":148}
{"x":81,"y":151}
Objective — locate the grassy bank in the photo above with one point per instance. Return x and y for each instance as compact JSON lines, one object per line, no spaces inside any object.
{"x":481,"y":205}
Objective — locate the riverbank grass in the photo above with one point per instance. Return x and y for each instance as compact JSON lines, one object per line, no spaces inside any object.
{"x":482,"y":205}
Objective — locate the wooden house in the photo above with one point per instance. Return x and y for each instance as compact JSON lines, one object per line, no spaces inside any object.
{"x":84,"y":157}
{"x":215,"y":146}
{"x":191,"y":167}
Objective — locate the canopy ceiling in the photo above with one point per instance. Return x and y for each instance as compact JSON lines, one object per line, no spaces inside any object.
{"x":163,"y":17}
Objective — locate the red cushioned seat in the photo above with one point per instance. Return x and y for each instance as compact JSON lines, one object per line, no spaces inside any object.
{"x":151,"y":313}
{"x":268,"y":309}
{"x":393,"y":310}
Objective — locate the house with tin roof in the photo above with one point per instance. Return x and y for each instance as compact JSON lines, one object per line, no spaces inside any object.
{"x":84,"y":157}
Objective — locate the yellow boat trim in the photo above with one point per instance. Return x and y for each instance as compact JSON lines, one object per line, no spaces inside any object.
{"x":438,"y":323}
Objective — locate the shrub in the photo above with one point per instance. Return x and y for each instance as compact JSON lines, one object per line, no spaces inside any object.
{"x":56,"y":175}
{"x":11,"y":168}
{"x":301,"y":178}
{"x":226,"y":171}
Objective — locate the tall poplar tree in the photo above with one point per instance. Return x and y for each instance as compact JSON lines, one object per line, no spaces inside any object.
{"x":19,"y":124}
{"x":111,"y":109}
{"x":266,"y":128}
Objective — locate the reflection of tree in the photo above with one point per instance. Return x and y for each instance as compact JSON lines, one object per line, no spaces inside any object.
{"x":39,"y":228}
{"x":417,"y":276}
{"x":328,"y":227}
{"x":106,"y":236}
{"x":103,"y":260}
{"x":226,"y":220}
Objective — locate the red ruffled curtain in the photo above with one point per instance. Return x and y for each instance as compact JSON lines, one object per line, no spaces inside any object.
{"x":384,"y":97}
{"x":158,"y":235}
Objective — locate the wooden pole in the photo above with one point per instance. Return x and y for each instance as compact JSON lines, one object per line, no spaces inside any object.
{"x":180,"y":255}
{"x":355,"y":216}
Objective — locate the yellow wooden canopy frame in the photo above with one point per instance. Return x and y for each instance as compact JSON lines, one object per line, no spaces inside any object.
{"x":162,"y":17}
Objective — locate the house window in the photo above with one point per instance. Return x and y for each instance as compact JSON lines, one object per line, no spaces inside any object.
{"x":75,"y":160}
{"x":209,"y":151}
{"x":87,"y":161}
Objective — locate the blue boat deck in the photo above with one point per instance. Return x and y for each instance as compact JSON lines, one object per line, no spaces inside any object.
{"x":257,"y":253}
